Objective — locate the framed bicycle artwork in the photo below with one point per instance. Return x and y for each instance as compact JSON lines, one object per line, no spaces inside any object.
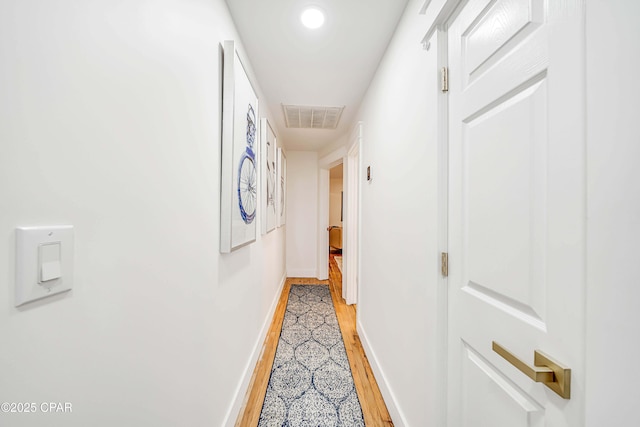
{"x":281,"y":192}
{"x":239,"y":180}
{"x":268,"y":165}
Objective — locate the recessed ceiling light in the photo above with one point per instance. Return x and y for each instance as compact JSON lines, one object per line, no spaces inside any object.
{"x":312,"y":18}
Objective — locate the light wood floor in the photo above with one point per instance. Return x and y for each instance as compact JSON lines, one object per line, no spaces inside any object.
{"x":373,"y":406}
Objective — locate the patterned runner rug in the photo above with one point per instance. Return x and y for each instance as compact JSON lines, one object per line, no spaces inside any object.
{"x":311,"y":382}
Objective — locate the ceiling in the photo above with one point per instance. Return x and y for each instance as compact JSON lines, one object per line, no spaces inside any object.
{"x":331,"y":66}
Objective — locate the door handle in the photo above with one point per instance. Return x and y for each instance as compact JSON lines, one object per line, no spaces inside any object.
{"x":544,"y":370}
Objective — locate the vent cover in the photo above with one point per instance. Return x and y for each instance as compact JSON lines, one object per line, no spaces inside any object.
{"x":303,"y":117}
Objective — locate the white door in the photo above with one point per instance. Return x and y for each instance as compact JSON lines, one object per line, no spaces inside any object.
{"x":516,"y":209}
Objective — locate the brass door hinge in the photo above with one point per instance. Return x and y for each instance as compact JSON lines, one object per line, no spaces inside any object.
{"x":444,"y":264}
{"x":444,"y":74}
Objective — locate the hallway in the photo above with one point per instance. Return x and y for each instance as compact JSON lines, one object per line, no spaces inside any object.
{"x":372,"y":403}
{"x":184,"y":147}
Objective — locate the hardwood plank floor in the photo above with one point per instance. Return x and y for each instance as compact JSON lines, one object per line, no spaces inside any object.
{"x":374,"y":409}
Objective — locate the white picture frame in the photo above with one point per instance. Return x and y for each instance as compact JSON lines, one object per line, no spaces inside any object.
{"x":281,"y":192}
{"x":268,"y":176}
{"x":239,"y":168}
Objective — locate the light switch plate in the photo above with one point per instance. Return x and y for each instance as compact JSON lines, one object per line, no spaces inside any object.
{"x":37,"y":254}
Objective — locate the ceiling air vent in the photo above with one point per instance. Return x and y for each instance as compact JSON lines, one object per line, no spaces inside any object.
{"x":304,"y":117}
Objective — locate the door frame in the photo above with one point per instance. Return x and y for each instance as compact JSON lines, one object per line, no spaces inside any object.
{"x":327,"y":162}
{"x":348,"y":156}
{"x":443,"y":223}
{"x":436,"y":38}
{"x":323,"y":223}
{"x":352,"y":219}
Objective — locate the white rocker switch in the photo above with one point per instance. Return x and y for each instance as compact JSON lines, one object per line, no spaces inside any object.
{"x":44,"y":262}
{"x":49,"y":260}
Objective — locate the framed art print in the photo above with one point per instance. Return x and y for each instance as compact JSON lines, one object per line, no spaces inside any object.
{"x":282,"y":187}
{"x":239,"y":179}
{"x":268,"y":176}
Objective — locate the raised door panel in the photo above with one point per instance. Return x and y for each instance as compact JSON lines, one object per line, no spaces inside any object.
{"x":501,"y":24}
{"x":504,"y":194}
{"x":491,"y":399}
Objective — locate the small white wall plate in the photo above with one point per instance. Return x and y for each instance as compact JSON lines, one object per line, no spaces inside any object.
{"x":29,"y":286}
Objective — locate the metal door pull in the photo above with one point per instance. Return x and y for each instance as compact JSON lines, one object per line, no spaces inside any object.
{"x":545,"y":370}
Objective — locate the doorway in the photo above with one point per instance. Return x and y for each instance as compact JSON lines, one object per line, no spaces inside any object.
{"x":336,"y":215}
{"x":348,"y":158}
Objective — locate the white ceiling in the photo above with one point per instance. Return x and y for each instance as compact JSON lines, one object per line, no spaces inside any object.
{"x":330,"y":66}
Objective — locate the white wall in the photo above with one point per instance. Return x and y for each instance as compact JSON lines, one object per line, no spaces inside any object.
{"x":399,"y":289}
{"x":335,"y":201}
{"x":302,"y":213}
{"x":613,"y":212}
{"x":110,"y":120}
{"x":399,"y":252}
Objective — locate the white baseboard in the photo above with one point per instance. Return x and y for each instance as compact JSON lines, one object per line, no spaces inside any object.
{"x":389,"y":398}
{"x":241,"y":390}
{"x":302,"y":273}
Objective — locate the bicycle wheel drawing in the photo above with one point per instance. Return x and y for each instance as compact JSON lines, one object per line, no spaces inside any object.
{"x":247,"y":184}
{"x":247,"y":176}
